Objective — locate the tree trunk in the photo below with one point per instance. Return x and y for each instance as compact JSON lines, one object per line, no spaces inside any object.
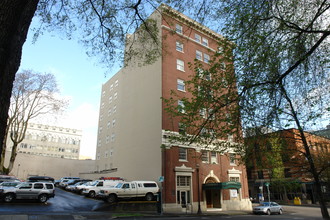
{"x":12,"y":158}
{"x":15,"y":20}
{"x":313,"y":169}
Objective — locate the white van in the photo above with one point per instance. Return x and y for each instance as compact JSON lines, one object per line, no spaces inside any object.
{"x":96,"y":186}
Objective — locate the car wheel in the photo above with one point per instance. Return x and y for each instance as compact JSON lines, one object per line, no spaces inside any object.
{"x":111,"y":198}
{"x":149,"y":197}
{"x":9,"y":197}
{"x":91,"y":194}
{"x":280,"y":212}
{"x":43,"y":198}
{"x":268,"y":212}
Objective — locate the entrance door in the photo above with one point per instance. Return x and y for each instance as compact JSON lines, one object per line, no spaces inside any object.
{"x":213,"y":198}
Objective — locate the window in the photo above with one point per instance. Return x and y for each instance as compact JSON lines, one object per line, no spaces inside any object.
{"x":179,"y":46}
{"x":205,"y":156}
{"x":181,"y":85}
{"x":110,"y":99}
{"x":38,"y":186}
{"x":182,"y":128}
{"x":116,"y":83}
{"x":106,"y":154}
{"x":205,"y":42}
{"x":149,"y":185}
{"x":115,"y":95}
{"x":234,"y":179}
{"x":232,"y":158}
{"x":260,"y":174}
{"x":198,"y":55}
{"x":198,"y":38}
{"x":111,"y":87}
{"x":214,"y":158}
{"x":287,"y":173}
{"x":230,"y":137}
{"x":113,"y":137}
{"x":178,"y":28}
{"x":183,"y":180}
{"x":113,"y":122}
{"x":206,"y":58}
{"x":182,"y":154}
{"x":180,"y":65}
{"x":181,"y":107}
{"x":202,"y":112}
{"x":107,"y":139}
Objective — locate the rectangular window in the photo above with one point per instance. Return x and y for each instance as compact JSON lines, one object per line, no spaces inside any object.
{"x":232,"y":158}
{"x":205,"y":42}
{"x":205,"y":156}
{"x":181,"y":85}
{"x":234,"y":179}
{"x":260,"y":174}
{"x":182,"y":128}
{"x":116,"y":83}
{"x":198,"y":55}
{"x":181,"y":107}
{"x":198,"y":38}
{"x":180,"y":65}
{"x":202,"y":112}
{"x":214,"y":158}
{"x":179,"y":46}
{"x":206,"y":58}
{"x":182,"y":154}
{"x":183,"y":180}
{"x":178,"y":28}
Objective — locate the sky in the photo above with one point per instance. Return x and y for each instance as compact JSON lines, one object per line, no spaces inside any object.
{"x":79,"y":79}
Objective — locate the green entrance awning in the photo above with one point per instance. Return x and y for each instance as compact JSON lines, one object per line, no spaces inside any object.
{"x":223,"y":185}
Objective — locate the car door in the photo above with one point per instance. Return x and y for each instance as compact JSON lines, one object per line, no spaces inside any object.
{"x":24,"y":191}
{"x":36,"y":189}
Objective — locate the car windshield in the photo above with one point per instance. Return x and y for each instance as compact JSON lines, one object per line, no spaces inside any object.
{"x":266,"y":204}
{"x":118,"y":185}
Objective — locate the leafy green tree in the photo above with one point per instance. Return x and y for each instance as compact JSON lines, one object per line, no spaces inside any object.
{"x":34,"y":95}
{"x":282,"y":65}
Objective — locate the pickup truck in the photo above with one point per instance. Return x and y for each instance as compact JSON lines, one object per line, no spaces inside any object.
{"x":134,"y":189}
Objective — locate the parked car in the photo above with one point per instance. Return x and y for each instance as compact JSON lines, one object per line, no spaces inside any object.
{"x":94,"y":188}
{"x":71,"y":184}
{"x":9,"y":184}
{"x":64,"y":180}
{"x":268,"y":208}
{"x":7,"y":178}
{"x":40,"y":179}
{"x":29,"y":190}
{"x":79,"y":189}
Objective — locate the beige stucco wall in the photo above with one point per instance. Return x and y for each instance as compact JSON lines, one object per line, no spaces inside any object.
{"x":136,"y":151}
{"x":27,"y":165}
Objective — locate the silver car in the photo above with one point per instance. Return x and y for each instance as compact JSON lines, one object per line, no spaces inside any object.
{"x":39,"y":190}
{"x":268,"y":208}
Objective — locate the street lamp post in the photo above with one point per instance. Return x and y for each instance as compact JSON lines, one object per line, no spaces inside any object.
{"x":199,"y":211}
{"x":18,"y":169}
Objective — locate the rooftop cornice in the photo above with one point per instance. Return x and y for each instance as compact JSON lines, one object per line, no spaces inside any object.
{"x":165,"y":9}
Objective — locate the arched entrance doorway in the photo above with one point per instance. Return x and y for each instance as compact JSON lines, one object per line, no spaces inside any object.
{"x":213,"y":196}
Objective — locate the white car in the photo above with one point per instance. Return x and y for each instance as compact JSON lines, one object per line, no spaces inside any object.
{"x":268,"y":208}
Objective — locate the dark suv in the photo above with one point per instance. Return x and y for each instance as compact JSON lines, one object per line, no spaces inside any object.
{"x":38,"y":190}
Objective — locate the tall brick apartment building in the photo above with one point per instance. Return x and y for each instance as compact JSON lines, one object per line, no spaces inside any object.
{"x":133,"y":125}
